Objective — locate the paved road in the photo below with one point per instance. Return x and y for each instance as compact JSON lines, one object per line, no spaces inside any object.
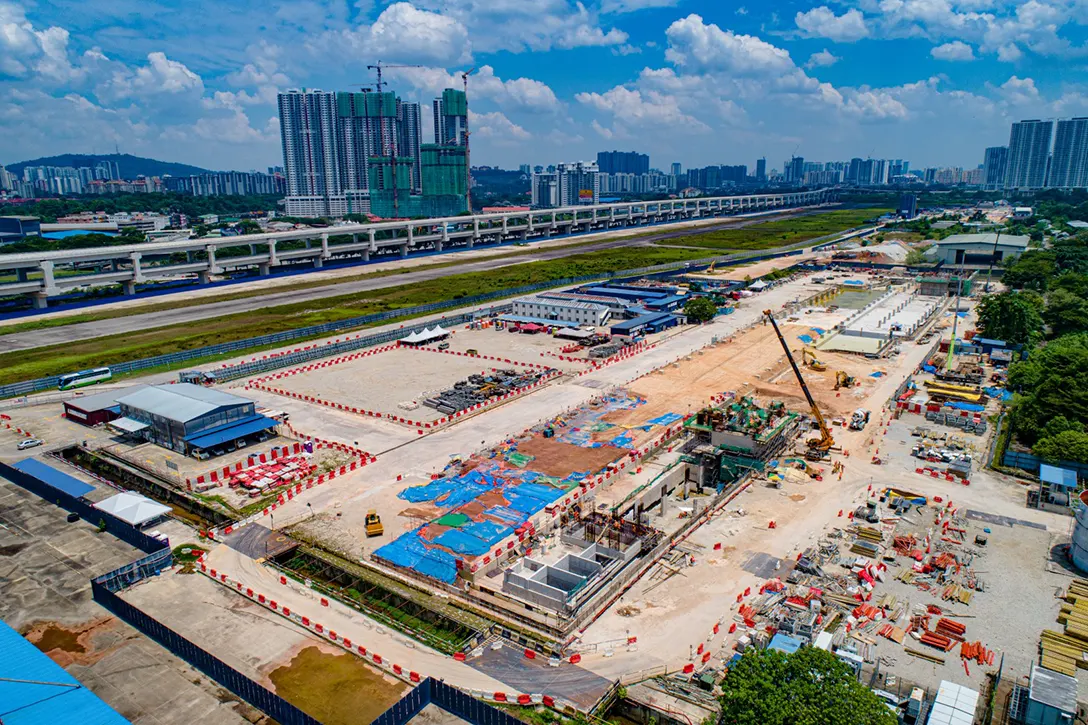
{"x":119,"y":325}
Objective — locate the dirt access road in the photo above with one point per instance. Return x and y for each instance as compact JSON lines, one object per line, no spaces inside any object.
{"x":549,"y":250}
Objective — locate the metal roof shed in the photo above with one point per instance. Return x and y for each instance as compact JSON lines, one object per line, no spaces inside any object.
{"x":34,"y":689}
{"x":231,"y":432}
{"x":1052,"y":697}
{"x":54,"y":478}
{"x":1060,"y":477}
{"x":132,"y":508}
{"x":181,"y":402}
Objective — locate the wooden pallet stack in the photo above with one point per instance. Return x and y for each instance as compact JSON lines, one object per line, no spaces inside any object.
{"x":1066,"y":652}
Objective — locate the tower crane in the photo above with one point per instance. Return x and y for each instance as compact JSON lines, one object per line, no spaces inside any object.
{"x":817,"y":447}
{"x":391,"y":146}
{"x":468,"y":166}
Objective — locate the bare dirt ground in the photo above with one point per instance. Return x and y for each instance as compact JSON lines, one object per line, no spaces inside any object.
{"x":753,"y":363}
{"x":383,"y":382}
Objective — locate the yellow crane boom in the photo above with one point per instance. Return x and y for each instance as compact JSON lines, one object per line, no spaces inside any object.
{"x":825,"y":442}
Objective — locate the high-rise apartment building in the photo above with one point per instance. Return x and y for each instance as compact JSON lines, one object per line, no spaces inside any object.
{"x":579,"y":183}
{"x":309,"y":127}
{"x":994,"y":162}
{"x":410,"y":140}
{"x":1069,"y":164}
{"x":545,"y":190}
{"x":677,"y":169}
{"x":761,"y":169}
{"x":451,"y":118}
{"x":795,"y":170}
{"x":1028,"y":154}
{"x":623,"y":162}
{"x":330,"y":141}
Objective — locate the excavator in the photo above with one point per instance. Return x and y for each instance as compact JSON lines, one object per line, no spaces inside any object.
{"x":817,"y":447}
{"x":842,"y":380}
{"x":808,"y":357}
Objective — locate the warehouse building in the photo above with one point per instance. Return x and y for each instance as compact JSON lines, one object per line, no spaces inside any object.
{"x":544,"y":309}
{"x":189,"y":418}
{"x":978,"y":250}
{"x":646,"y":324}
{"x":92,"y":410}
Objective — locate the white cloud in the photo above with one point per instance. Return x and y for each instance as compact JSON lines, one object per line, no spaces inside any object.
{"x":1020,"y":91}
{"x":161,"y":76}
{"x":822,"y":22}
{"x":697,"y":46}
{"x":823,"y":59}
{"x":741,"y":10}
{"x":517,"y":94}
{"x":26,"y":51}
{"x":1009,"y":53}
{"x":402,"y":33}
{"x":626,"y":49}
{"x":955,"y":51}
{"x":633,"y":108}
{"x":518,"y":25}
{"x":497,"y":127}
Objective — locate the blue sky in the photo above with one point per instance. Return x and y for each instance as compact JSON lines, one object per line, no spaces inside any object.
{"x":694,"y":81}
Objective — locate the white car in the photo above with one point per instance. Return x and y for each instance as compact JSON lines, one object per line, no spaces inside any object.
{"x":29,"y":443}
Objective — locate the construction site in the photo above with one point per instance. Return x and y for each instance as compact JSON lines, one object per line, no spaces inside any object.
{"x":503,"y":508}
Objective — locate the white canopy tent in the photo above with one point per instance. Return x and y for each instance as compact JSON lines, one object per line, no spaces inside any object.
{"x":425,"y":335}
{"x":132,"y":508}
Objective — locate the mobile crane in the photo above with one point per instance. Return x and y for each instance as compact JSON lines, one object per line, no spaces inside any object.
{"x":817,"y":447}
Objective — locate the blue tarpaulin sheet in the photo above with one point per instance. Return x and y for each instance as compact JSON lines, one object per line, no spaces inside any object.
{"x":807,"y":339}
{"x":999,"y":393}
{"x":877,"y":374}
{"x":410,"y":552}
{"x":463,"y":543}
{"x":818,"y":330}
{"x":488,"y":531}
{"x":929,"y":368}
{"x":853,"y":281}
{"x":973,"y":407}
{"x":449,"y":492}
{"x":507,"y":514}
{"x":667,"y":419}
{"x":624,"y":440}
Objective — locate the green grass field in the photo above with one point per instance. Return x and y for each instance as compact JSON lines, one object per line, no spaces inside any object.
{"x":780,"y":233}
{"x":44,"y":361}
{"x":52,"y":360}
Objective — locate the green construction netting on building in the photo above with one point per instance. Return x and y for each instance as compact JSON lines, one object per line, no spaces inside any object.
{"x":366,"y":105}
{"x":442,"y":170}
{"x":454,"y":103}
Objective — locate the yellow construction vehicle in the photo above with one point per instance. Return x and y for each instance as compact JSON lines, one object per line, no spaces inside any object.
{"x":373,"y":524}
{"x":817,"y":447}
{"x":710,"y":269}
{"x":842,"y":380}
{"x":808,"y":357}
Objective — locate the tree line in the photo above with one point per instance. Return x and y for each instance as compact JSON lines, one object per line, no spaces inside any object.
{"x":1046,"y":310}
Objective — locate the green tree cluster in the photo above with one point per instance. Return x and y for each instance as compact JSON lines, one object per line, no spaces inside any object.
{"x":700,"y":309}
{"x":1050,"y":412}
{"x":1011,"y":316}
{"x":808,"y":687}
{"x":166,"y":203}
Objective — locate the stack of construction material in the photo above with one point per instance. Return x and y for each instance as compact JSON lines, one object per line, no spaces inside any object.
{"x":1064,"y":653}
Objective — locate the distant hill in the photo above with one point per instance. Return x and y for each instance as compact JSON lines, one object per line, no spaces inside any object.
{"x":131,"y":166}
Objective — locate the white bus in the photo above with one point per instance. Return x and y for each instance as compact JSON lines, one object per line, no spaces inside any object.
{"x":83,"y":378}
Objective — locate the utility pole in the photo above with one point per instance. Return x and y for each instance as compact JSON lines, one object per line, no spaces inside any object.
{"x":468,"y":166}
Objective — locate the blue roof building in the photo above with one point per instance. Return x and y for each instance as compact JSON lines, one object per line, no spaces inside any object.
{"x":35,"y":690}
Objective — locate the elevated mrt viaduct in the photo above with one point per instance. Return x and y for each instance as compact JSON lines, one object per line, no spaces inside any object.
{"x":38,"y":274}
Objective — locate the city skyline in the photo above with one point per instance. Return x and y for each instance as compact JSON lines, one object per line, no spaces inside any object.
{"x":682,"y":80}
